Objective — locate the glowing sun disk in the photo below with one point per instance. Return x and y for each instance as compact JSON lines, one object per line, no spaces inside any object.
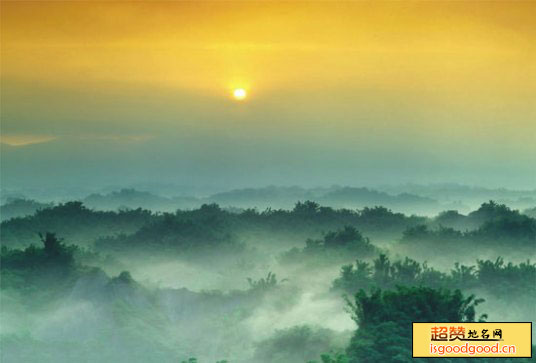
{"x":239,"y":93}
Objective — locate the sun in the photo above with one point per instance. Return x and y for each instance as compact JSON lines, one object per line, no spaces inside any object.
{"x":239,"y":94}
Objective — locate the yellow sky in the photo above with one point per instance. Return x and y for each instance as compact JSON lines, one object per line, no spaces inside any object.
{"x":449,"y":82}
{"x":269,"y":46}
{"x":440,"y":64}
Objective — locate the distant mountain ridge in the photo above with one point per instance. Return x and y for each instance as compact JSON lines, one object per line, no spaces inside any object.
{"x":413,"y":199}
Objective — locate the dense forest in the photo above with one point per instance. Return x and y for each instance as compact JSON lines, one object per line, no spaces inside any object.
{"x":312,"y":283}
{"x":267,"y":181}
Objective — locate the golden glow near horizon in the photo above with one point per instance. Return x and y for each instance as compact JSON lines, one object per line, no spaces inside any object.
{"x":453,"y":69}
{"x":408,"y":45}
{"x":239,"y":94}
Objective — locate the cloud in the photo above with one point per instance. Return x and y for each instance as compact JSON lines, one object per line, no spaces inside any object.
{"x":25,"y":139}
{"x":117,"y":138}
{"x":18,"y":140}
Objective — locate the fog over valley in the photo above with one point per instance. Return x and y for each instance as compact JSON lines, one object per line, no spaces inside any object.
{"x":267,"y":181}
{"x":118,"y":282}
